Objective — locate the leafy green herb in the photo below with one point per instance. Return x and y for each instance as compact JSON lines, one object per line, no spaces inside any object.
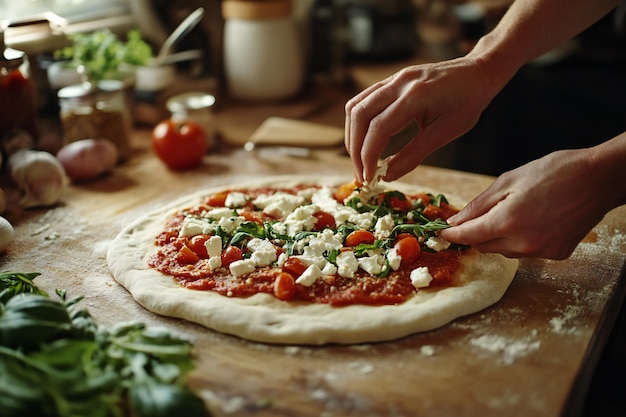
{"x":271,"y":233}
{"x":361,"y":248}
{"x":55,"y":361}
{"x":248,"y":230}
{"x":425,"y":230}
{"x":13,"y":283}
{"x":101,"y":53}
{"x":436,"y":200}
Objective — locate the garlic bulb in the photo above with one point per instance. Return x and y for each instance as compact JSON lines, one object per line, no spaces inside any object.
{"x":39,"y":175}
{"x":6,"y":233}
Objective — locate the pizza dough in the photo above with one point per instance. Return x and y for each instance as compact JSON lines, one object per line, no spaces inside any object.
{"x":482,"y":281}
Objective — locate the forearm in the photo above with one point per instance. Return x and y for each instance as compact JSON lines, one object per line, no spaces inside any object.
{"x":531,"y":28}
{"x":606,"y":165}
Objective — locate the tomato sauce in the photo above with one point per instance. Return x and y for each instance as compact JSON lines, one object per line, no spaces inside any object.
{"x":334,"y":290}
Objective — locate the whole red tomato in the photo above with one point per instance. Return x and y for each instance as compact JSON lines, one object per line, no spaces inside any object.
{"x":179,"y":144}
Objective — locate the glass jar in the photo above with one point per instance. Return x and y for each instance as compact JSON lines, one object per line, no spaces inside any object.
{"x":97,"y":111}
{"x":197,"y":107}
{"x":17,"y":92}
{"x":262,"y":54}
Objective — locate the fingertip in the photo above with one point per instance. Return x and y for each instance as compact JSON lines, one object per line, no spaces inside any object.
{"x":454,"y":220}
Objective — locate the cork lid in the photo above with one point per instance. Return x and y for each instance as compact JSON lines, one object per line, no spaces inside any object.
{"x":256,"y":9}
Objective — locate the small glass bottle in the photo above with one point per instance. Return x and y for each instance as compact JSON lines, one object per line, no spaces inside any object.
{"x":17,"y":92}
{"x":263,"y":57}
{"x":97,"y":111}
{"x":197,"y":107}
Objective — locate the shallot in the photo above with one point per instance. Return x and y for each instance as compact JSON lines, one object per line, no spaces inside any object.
{"x":39,"y":175}
{"x":88,"y":158}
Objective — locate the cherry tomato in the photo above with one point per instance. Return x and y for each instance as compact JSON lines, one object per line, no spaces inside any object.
{"x":217,"y":199}
{"x":344,"y":191}
{"x":196,"y":244}
{"x":324,"y":220}
{"x":396,"y":201}
{"x":408,"y":248}
{"x":359,"y":236}
{"x":294,"y":266}
{"x":179,"y":144}
{"x":284,"y":286}
{"x":230,"y":255}
{"x":186,"y":256}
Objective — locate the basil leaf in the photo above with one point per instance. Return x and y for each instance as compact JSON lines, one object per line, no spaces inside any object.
{"x":150,"y":399}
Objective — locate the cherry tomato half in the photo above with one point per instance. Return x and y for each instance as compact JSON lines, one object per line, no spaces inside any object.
{"x":359,"y":236}
{"x":294,"y":266}
{"x":408,"y":248}
{"x":284,"y":286}
{"x":324,"y":220}
{"x":230,"y":255}
{"x":179,"y":144}
{"x":196,"y":244}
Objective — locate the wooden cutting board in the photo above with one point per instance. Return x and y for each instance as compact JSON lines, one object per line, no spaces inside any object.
{"x":525,"y":356}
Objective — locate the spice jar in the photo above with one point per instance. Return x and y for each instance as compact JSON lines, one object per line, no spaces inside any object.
{"x":197,"y":107}
{"x":17,"y":92}
{"x":262,"y":55}
{"x":96,"y":111}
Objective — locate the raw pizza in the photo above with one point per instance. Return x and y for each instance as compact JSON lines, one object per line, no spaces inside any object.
{"x":307,"y":260}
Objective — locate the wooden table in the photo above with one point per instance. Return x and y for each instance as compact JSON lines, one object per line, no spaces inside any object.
{"x":531,"y":354}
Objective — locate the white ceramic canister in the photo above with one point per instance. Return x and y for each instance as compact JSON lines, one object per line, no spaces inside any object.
{"x":263,"y":59}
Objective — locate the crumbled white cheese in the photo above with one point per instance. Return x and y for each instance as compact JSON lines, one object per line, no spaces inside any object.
{"x":420,"y":277}
{"x":235,"y":199}
{"x":309,"y":276}
{"x":301,"y":219}
{"x":279,"y":204}
{"x":307,"y":193}
{"x":437,"y":244}
{"x":229,"y":224}
{"x":362,"y":220}
{"x":213,"y":246}
{"x":193,"y":226}
{"x":263,"y":252}
{"x":372,"y":189}
{"x":218,"y":213}
{"x":394,"y":259}
{"x":281,"y":259}
{"x":329,"y":269}
{"x":373,"y":265}
{"x":324,"y":199}
{"x":347,"y":264}
{"x":241,"y":267}
{"x":215,"y":262}
{"x":384,"y":226}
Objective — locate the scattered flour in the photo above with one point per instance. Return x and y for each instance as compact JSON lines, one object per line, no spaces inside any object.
{"x":510,"y":349}
{"x":564,"y":324}
{"x":427,"y":350}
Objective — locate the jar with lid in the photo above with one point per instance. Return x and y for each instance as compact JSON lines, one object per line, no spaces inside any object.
{"x":17,"y":92}
{"x":197,"y":107}
{"x":263,"y":57}
{"x":96,"y":111}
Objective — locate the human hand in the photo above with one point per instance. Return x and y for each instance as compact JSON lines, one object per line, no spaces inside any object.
{"x":542,"y":209}
{"x":444,"y":98}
